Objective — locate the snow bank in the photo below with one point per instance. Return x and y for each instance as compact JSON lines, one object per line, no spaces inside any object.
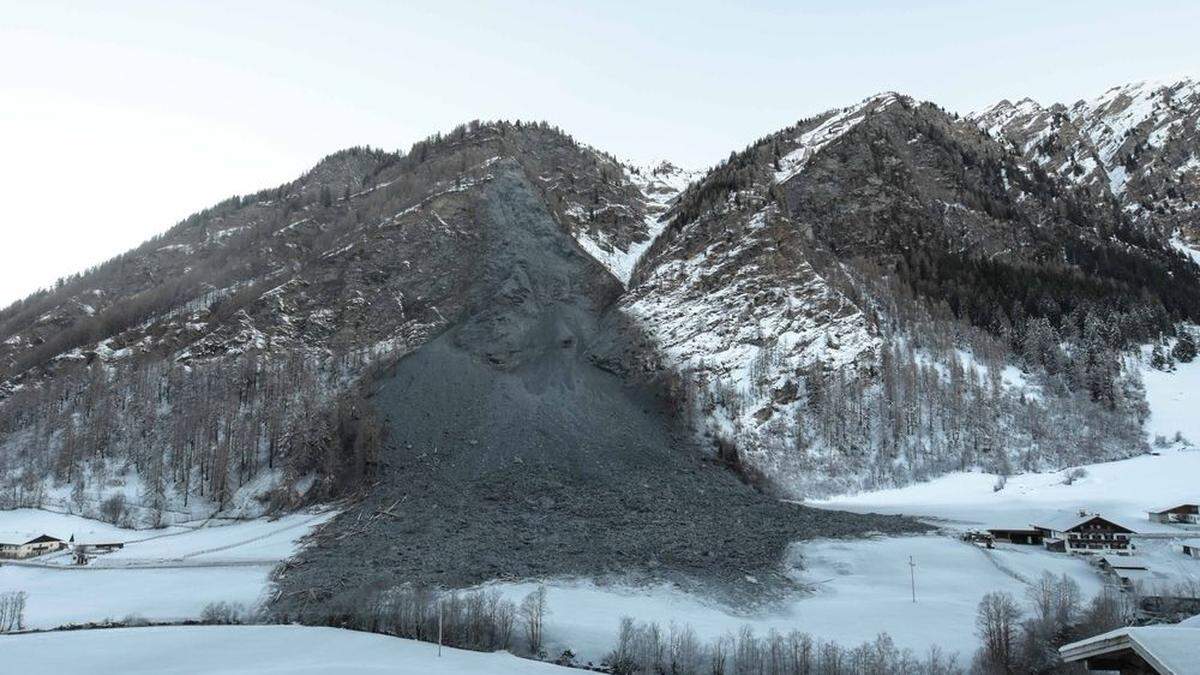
{"x":208,"y":650}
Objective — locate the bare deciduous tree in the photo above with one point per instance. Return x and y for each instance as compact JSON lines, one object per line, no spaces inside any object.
{"x":533,"y":613}
{"x":996,"y":625}
{"x":12,"y":611}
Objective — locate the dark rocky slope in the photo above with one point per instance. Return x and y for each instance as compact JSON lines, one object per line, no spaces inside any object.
{"x":512,"y":454}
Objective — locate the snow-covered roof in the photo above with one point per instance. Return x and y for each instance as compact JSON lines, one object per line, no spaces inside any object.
{"x":1194,"y":542}
{"x":1066,"y":522}
{"x":1171,"y":650}
{"x":1174,"y":506}
{"x":1010,"y":527}
{"x":1125,"y":562}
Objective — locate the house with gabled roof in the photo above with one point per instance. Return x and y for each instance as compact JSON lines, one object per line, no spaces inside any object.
{"x":1166,"y":650}
{"x":1088,"y":533}
{"x":1187,"y":512}
{"x":34,"y":547}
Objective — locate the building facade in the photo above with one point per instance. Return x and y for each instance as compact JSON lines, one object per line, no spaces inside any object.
{"x":1180,"y":513}
{"x":34,"y":547}
{"x":1085,"y":533}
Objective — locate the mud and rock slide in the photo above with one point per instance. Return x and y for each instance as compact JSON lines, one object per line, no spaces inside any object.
{"x":512,"y":454}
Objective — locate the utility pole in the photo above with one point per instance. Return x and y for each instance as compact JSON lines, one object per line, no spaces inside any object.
{"x":912,"y":575}
{"x":439,"y":628}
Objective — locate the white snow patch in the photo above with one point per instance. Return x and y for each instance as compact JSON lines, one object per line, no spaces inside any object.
{"x":21,"y":525}
{"x":1172,"y":397}
{"x":1183,"y":247}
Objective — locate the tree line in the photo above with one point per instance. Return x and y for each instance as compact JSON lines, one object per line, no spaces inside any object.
{"x":188,"y":432}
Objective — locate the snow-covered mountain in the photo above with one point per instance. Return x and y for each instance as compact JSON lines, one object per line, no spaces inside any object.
{"x":236,"y":336}
{"x":1136,"y":143}
{"x":873,"y":296}
{"x":799,"y":281}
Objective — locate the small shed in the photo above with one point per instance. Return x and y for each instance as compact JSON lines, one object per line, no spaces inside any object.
{"x":1128,"y":569}
{"x":1191,"y":547}
{"x":100,"y":546}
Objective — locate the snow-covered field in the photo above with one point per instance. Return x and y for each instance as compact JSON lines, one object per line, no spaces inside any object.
{"x":1124,"y":490}
{"x":160,"y":575}
{"x":20,"y":525}
{"x":212,"y":650}
{"x":63,"y":596}
{"x":1174,"y":399}
{"x":860,"y":588}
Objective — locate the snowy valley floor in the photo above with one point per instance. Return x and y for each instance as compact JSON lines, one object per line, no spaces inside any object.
{"x":858,"y":588}
{"x":1124,"y":490}
{"x":861,"y":587}
{"x":160,"y":575}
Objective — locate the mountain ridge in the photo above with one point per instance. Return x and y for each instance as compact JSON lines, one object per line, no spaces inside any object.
{"x":812,"y":259}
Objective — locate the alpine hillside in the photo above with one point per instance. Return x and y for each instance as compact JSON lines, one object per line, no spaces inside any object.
{"x":513,"y":355}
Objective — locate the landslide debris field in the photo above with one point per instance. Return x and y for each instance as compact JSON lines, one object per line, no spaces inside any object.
{"x":512,"y":455}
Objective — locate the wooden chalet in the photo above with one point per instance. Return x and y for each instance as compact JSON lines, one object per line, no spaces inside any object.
{"x":1129,"y":570}
{"x":34,"y":547}
{"x":1085,"y":533}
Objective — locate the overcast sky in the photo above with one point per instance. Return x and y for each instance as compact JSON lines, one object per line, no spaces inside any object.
{"x":117,"y":119}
